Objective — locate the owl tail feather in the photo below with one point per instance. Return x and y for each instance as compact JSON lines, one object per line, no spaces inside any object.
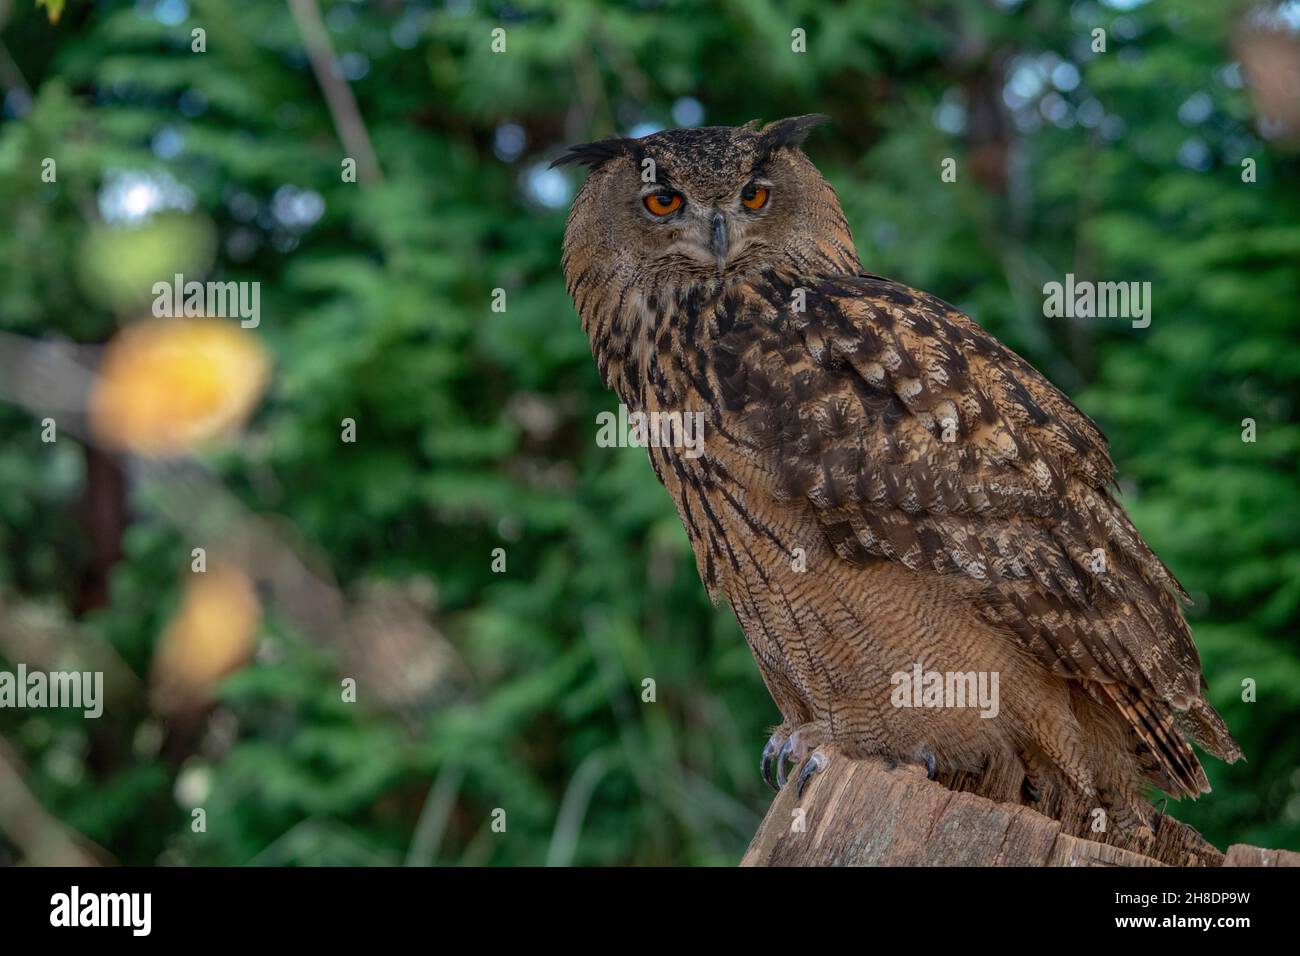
{"x":1155,"y":727}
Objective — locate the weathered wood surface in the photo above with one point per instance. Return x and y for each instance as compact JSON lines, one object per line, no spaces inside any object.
{"x":1242,"y":854}
{"x":864,"y":813}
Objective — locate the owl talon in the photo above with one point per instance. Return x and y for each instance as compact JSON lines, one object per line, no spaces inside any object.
{"x":931,"y":765}
{"x":765,"y":763}
{"x":1032,"y":792}
{"x":801,"y":743}
{"x":815,"y":762}
{"x":782,"y":759}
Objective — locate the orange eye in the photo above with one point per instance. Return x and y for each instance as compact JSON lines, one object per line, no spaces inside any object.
{"x":754,"y":196}
{"x":661,"y":204}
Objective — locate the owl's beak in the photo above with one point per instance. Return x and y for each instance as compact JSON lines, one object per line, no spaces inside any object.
{"x":719,"y":243}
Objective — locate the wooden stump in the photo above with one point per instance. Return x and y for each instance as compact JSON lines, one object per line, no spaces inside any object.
{"x":864,"y":813}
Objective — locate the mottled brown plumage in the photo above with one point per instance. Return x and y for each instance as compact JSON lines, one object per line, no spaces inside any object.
{"x":883,"y":484}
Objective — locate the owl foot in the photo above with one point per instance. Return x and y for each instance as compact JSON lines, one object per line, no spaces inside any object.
{"x":1031,"y":787}
{"x":782,"y":750}
{"x":1135,"y":819}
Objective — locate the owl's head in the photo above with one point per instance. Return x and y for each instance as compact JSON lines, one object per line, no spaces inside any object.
{"x":689,"y":205}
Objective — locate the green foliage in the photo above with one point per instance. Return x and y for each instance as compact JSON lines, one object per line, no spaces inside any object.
{"x":476,"y":427}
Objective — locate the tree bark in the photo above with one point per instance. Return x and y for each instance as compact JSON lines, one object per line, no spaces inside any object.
{"x":865,"y":813}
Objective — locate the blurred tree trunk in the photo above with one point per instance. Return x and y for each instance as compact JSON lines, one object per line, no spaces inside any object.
{"x":103,"y":516}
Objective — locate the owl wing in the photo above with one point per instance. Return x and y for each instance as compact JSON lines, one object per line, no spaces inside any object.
{"x":917,"y":437}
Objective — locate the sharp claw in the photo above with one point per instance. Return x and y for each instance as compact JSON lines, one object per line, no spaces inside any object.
{"x":765,"y":764}
{"x":1031,"y":791}
{"x":782,"y":759}
{"x":931,"y":767}
{"x":814,"y":763}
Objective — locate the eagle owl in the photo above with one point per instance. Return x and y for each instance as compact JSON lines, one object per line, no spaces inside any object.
{"x":884,"y":490}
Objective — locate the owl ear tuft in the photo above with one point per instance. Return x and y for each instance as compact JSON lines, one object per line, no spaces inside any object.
{"x":790,"y":132}
{"x":594,"y":154}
